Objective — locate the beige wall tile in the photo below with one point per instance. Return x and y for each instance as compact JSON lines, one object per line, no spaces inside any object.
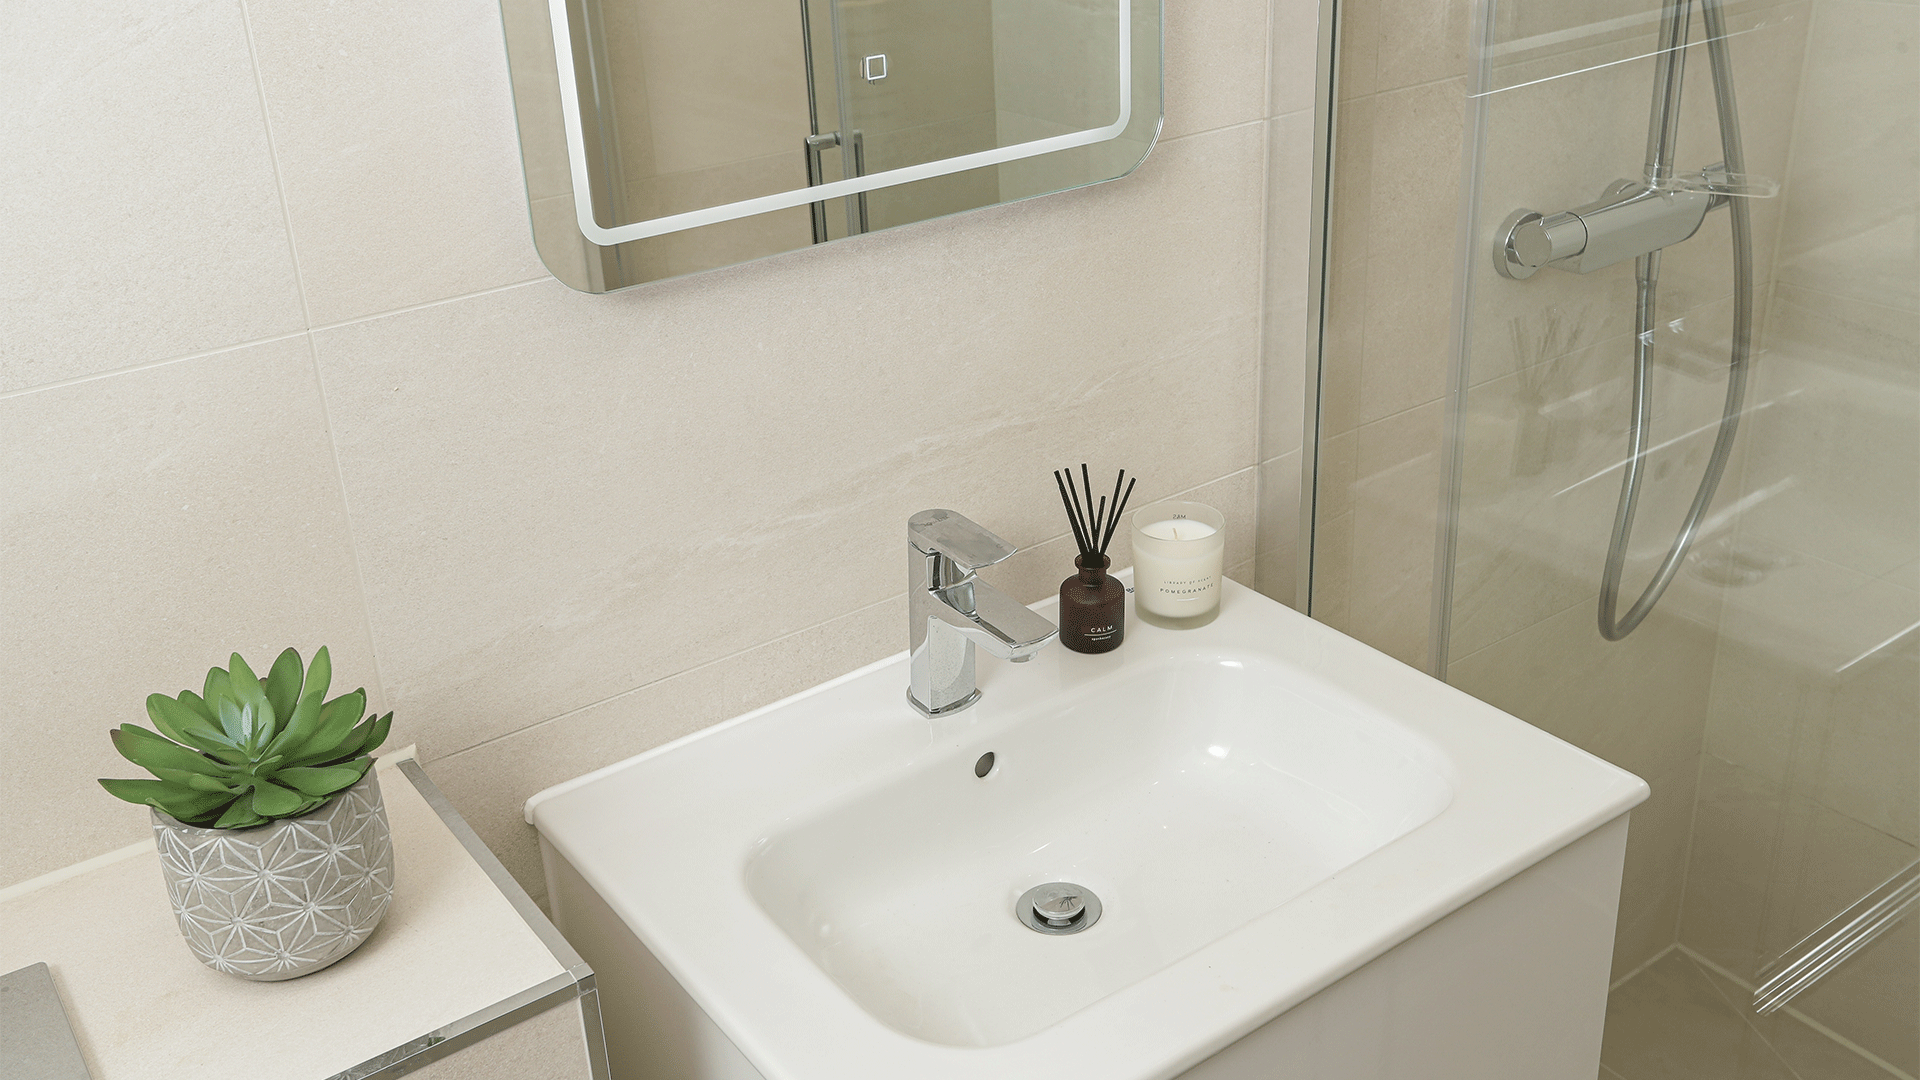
{"x":1768,"y":868}
{"x":1655,"y":874}
{"x":1342,"y":346}
{"x":1639,"y":703}
{"x":1292,"y":56}
{"x":1875,"y":340}
{"x":1394,"y":497}
{"x":1850,"y":200}
{"x":142,"y":218}
{"x":1359,"y":45}
{"x":1805,"y":1049}
{"x":785,"y":666}
{"x":1672,"y":1021}
{"x":490,"y":783}
{"x":1421,"y":41}
{"x":155,"y":522}
{"x":1216,"y":64}
{"x":393,"y":129}
{"x":514,"y":565}
{"x":1412,"y":220}
{"x":1277,"y":560}
{"x":1284,"y":335}
{"x":1872,"y":999}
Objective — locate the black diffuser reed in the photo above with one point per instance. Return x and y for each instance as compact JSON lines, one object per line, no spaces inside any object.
{"x":1093,"y":606}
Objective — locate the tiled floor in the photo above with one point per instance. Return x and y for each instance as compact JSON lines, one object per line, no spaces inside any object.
{"x":1679,"y":1020}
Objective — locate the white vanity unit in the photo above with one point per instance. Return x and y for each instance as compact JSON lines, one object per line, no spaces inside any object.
{"x":1286,"y":854}
{"x":464,"y":980}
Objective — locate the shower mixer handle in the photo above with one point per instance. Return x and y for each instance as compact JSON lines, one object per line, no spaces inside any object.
{"x":1629,"y":220}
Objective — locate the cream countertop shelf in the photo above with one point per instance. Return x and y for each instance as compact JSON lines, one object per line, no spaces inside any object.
{"x":462,"y":955}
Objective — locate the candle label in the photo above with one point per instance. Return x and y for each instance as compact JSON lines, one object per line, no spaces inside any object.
{"x":1189,"y":588}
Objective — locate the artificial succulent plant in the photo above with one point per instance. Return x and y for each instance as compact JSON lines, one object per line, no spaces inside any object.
{"x":247,"y":750}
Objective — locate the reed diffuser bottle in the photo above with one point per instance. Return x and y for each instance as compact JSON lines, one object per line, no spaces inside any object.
{"x":1093,"y":604}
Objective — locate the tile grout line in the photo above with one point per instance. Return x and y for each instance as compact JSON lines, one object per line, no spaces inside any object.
{"x":346,"y":510}
{"x":148,"y":365}
{"x":313,"y":357}
{"x":557,"y":717}
{"x":1741,"y":1012}
{"x":1642,"y":966}
{"x":1772,"y":263}
{"x":1260,"y":350}
{"x":202,"y":354}
{"x":437,"y":302}
{"x":1817,"y":1026}
{"x":273,"y":161}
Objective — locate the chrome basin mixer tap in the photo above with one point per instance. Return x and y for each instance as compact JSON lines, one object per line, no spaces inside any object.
{"x":949,"y":611}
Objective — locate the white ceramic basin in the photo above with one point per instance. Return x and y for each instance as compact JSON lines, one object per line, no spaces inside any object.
{"x":1261,"y":805}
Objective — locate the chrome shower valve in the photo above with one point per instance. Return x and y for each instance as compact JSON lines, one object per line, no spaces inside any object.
{"x":1631,"y":219}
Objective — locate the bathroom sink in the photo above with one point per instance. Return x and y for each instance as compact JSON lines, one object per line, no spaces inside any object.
{"x":1258,"y":807}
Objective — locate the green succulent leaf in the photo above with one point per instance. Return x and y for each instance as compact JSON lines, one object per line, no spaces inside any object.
{"x":324,"y":781}
{"x":301,"y":725}
{"x":185,"y":725}
{"x":193,"y":781}
{"x":283,"y":683}
{"x":319,"y":674}
{"x":337,"y":720}
{"x":218,"y":688}
{"x":236,"y":721}
{"x":200,"y":782}
{"x":251,"y":693}
{"x":199,"y":705}
{"x":270,"y":800}
{"x":152,"y":753}
{"x":239,"y":815}
{"x":362,"y":740}
{"x":171,"y":799}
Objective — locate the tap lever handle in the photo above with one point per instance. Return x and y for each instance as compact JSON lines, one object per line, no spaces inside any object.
{"x":967,"y":545}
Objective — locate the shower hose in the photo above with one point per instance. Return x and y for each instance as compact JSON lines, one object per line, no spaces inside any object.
{"x":1663,"y":128}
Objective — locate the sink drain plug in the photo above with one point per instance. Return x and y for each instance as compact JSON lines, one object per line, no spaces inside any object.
{"x":1058,"y":907}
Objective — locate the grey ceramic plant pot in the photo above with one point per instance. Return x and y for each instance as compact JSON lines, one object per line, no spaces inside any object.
{"x":283,"y":899}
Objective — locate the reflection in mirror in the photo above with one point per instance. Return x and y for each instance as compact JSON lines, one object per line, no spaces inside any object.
{"x":673,"y":136}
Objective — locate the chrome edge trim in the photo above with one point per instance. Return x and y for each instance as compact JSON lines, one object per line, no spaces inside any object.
{"x":536,"y":919}
{"x":1320,"y":245}
{"x":469,"y":1030}
{"x":575,"y":983}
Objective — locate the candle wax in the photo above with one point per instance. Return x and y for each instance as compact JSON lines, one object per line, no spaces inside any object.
{"x":1178,"y":529}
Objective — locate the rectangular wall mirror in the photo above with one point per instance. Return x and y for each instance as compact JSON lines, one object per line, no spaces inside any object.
{"x":666,"y":137}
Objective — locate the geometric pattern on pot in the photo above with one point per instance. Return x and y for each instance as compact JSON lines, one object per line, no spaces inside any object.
{"x":283,"y":899}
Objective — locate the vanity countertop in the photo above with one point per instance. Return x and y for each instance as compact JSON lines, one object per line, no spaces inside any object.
{"x":462,"y":953}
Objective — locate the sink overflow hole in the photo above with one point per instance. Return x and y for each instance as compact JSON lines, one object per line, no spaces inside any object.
{"x":984,"y":766}
{"x":1058,"y":907}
